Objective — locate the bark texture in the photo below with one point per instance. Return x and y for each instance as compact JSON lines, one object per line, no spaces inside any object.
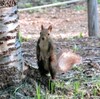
{"x":10,"y":48}
{"x":7,"y":3}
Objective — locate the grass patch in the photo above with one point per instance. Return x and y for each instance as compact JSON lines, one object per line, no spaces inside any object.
{"x":79,"y":8}
{"x":21,"y":38}
{"x":38,"y":92}
{"x":28,"y":5}
{"x":76,"y":87}
{"x":75,"y":48}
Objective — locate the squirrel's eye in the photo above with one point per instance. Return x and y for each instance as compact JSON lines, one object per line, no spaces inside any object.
{"x":48,"y":34}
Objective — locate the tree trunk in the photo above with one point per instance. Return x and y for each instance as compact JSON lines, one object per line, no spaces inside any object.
{"x":93,"y":23}
{"x":11,"y":61}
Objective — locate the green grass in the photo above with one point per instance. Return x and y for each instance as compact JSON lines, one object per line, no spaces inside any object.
{"x":81,"y":35}
{"x":75,"y":48}
{"x":79,"y":8}
{"x":28,"y":5}
{"x":76,"y":87}
{"x":82,"y":95}
{"x":51,"y":87}
{"x":96,"y":88}
{"x":38,"y":92}
{"x":21,"y":39}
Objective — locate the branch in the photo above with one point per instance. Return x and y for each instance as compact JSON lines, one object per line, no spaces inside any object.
{"x":49,"y":5}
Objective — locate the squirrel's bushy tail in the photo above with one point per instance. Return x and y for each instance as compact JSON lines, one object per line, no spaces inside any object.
{"x":66,"y":59}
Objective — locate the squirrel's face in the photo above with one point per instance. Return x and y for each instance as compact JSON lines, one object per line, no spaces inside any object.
{"x":45,"y":33}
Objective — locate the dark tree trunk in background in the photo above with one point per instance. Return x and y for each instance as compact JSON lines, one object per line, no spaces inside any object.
{"x":10,"y":48}
{"x":93,"y":25}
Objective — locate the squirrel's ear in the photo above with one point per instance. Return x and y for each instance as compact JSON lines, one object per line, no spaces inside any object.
{"x":42,"y":27}
{"x":50,"y":28}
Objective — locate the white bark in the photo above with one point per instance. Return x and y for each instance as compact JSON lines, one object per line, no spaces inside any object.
{"x":10,"y":47}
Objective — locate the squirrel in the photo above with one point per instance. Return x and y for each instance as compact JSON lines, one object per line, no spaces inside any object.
{"x":47,"y":60}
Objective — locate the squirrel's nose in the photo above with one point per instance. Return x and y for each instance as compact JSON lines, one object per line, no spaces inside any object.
{"x":42,"y":38}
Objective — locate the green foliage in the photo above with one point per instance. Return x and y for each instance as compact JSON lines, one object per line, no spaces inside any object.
{"x":96,"y":88}
{"x":79,"y":8}
{"x":82,"y":95}
{"x":94,"y":91}
{"x":25,"y":5}
{"x":60,"y":84}
{"x":99,"y":1}
{"x":78,"y":68}
{"x":28,"y":5}
{"x":76,"y":87}
{"x":55,"y":1}
{"x":81,"y":35}
{"x":51,"y":86}
{"x":21,"y":39}
{"x":38,"y":92}
{"x":75,"y":48}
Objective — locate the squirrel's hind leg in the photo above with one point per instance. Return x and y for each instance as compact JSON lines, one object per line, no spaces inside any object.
{"x":41,"y":68}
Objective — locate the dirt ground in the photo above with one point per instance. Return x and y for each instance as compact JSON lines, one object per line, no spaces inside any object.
{"x":66,"y":23}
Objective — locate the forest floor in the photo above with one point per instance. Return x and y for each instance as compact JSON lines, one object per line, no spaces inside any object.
{"x":67,"y":21}
{"x":69,"y":31}
{"x":81,"y":82}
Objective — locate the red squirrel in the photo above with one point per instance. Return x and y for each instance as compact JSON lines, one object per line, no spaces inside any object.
{"x":47,"y":60}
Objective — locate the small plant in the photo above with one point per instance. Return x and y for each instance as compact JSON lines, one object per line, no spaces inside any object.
{"x":27,"y":5}
{"x":82,"y":95}
{"x":94,"y":91}
{"x":38,"y":92}
{"x":76,"y":87}
{"x":21,"y":39}
{"x":60,"y":84}
{"x":51,"y":86}
{"x":79,"y":8}
{"x":81,"y":35}
{"x":96,"y":88}
{"x":75,"y":48}
{"x":78,"y":68}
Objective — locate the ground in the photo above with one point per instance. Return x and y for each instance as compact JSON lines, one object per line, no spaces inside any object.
{"x":69,"y":31}
{"x":81,"y":80}
{"x":66,"y":21}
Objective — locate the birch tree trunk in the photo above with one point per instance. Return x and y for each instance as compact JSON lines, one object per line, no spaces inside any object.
{"x":10,"y":48}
